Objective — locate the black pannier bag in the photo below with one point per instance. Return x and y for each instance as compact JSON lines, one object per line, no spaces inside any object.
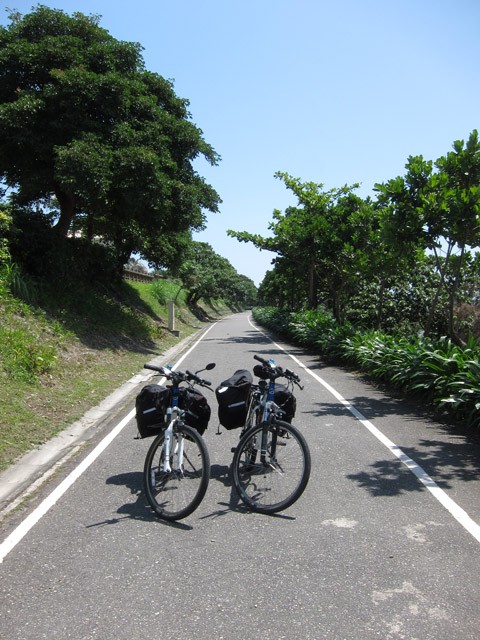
{"x":232,"y":397}
{"x":197,"y":408}
{"x":286,"y":401}
{"x":283,"y":396}
{"x":150,"y":407}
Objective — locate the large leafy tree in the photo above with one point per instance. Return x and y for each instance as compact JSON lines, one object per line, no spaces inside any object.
{"x":82,"y":120}
{"x":438,"y":212}
{"x":324,"y":238}
{"x":208,"y":275}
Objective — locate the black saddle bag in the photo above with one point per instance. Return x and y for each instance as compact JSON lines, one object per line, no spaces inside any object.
{"x":197,"y":408}
{"x":150,"y":408}
{"x":286,"y":401}
{"x":232,"y":397}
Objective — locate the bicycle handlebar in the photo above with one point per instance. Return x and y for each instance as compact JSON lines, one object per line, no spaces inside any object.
{"x":179,"y":376}
{"x":195,"y":378}
{"x":279,"y":372}
{"x":153,"y":368}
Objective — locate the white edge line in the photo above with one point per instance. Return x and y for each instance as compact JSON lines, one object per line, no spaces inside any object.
{"x":31,"y":520}
{"x":456,"y":511}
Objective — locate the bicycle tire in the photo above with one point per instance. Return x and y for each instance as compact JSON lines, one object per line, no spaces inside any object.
{"x":176,"y":494}
{"x":277,"y":484}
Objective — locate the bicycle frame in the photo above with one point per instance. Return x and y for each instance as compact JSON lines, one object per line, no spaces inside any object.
{"x":174,"y":413}
{"x":262,"y":403}
{"x":265,"y":402}
{"x":271,"y":463}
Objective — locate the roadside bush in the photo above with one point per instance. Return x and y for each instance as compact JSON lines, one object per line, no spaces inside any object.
{"x":16,"y":282}
{"x":22,"y":357}
{"x":274,"y":319}
{"x":5,"y":224}
{"x":306,"y":327}
{"x":442,"y":373}
{"x":25,"y":353}
{"x":165,"y":290}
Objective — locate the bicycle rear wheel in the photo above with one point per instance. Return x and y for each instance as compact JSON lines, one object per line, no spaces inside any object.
{"x":175,"y":494}
{"x":273,"y":485}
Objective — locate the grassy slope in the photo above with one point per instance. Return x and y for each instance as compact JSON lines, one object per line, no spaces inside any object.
{"x":81,"y":352}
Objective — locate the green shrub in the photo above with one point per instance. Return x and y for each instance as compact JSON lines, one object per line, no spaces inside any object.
{"x":439,"y":371}
{"x":274,"y":319}
{"x":20,"y":285}
{"x":165,"y":290}
{"x":306,"y":327}
{"x":22,"y":356}
{"x":5,"y":224}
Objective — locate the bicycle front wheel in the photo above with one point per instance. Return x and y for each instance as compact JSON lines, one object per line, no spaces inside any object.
{"x":176,"y":493}
{"x":277,"y":482}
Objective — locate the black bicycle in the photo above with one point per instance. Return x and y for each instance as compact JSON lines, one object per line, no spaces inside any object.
{"x":271,"y":463}
{"x":177,"y":466}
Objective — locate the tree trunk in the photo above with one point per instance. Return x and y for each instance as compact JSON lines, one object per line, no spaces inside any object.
{"x":442,"y":270}
{"x":67,"y":211}
{"x":313,"y":287}
{"x":381,"y":298}
{"x":452,"y":299}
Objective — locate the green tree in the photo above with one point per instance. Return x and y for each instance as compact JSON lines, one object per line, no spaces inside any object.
{"x":5,"y":224}
{"x":283,"y":286}
{"x":459,"y":187}
{"x":82,"y":120}
{"x":209,"y":276}
{"x":243,"y":292}
{"x":325,"y":236}
{"x":438,"y":212}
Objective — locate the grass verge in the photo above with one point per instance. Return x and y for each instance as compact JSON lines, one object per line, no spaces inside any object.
{"x":67,"y":351}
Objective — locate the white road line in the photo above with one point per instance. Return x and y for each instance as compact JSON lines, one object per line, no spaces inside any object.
{"x":31,"y":520}
{"x":456,"y":511}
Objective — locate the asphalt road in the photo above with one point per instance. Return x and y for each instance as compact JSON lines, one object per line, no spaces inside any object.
{"x":384,"y":543}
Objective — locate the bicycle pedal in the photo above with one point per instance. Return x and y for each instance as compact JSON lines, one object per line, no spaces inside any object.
{"x":233,"y":449}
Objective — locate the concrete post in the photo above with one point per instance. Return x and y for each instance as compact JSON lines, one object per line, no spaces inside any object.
{"x":171,"y":318}
{"x":171,"y":315}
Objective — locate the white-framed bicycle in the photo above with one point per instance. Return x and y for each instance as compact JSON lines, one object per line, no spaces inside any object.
{"x":177,"y":465}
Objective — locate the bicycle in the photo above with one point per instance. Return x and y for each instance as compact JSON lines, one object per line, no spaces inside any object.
{"x":271,"y":463}
{"x":177,"y":465}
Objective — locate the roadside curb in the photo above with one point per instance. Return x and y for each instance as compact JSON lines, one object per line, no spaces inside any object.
{"x":26,"y":475}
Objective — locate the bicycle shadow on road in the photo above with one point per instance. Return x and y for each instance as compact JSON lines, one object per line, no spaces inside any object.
{"x":138,"y":510}
{"x":221,"y":473}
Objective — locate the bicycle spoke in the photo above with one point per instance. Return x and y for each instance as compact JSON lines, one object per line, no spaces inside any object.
{"x":276,"y":484}
{"x":177,"y":493}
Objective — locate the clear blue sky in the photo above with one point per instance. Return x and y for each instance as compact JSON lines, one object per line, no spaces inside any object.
{"x":335,"y":92}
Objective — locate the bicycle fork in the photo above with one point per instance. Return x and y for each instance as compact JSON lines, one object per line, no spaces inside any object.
{"x":272,"y":460}
{"x":173,"y":448}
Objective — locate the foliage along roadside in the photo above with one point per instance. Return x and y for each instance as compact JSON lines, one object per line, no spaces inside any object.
{"x":59,"y":359}
{"x":94,"y":145}
{"x":404,"y":259}
{"x":437,"y":370}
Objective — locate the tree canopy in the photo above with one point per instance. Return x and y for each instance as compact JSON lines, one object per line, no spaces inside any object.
{"x":209,"y":276}
{"x":83,"y":122}
{"x":410,"y":257}
{"x":438,"y":212}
